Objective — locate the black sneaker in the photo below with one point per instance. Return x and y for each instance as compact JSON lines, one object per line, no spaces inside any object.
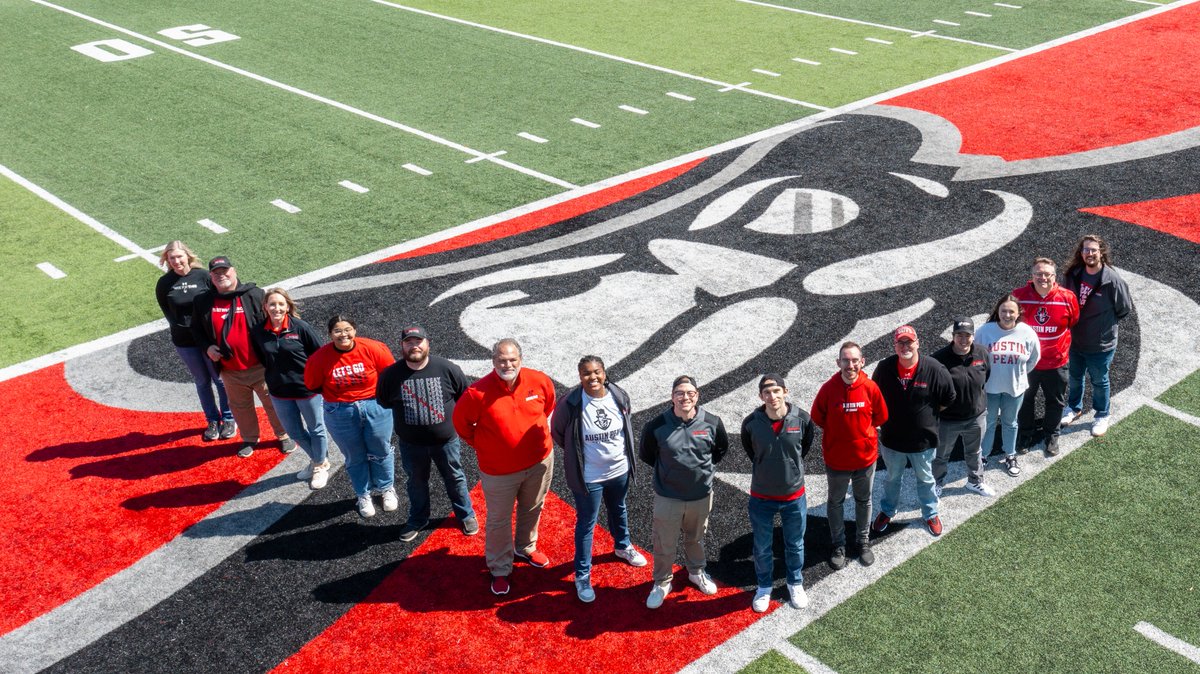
{"x":212,"y":432}
{"x":409,"y":533}
{"x":228,"y":429}
{"x":1052,"y":446}
{"x":287,"y":446}
{"x":838,"y":559}
{"x":865,"y":556}
{"x":1010,"y":465}
{"x":246,"y":450}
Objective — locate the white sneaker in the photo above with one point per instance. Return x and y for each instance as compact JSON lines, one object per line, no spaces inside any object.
{"x":365,"y":507}
{"x":981,"y":489}
{"x":320,"y":476}
{"x":658,"y":593}
{"x":390,"y":502}
{"x":798,"y":598}
{"x":631,"y":556}
{"x":306,"y":473}
{"x":1069,"y":416}
{"x":1100,"y":426}
{"x":702,"y":581}
{"x":762,"y":600}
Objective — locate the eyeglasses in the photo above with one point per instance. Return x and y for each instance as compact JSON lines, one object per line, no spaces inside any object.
{"x":684,"y":394}
{"x":1090,"y":250}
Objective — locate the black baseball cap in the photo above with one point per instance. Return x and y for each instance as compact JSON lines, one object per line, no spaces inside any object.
{"x":220,"y":262}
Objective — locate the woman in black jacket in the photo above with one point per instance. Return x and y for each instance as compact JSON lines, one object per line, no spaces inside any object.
{"x":284,"y":343}
{"x":185,"y":280}
{"x":593,"y":426}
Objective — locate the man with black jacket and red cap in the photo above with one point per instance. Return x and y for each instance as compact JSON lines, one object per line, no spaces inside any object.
{"x":916,"y":390}
{"x":221,"y":322}
{"x":777,"y":437}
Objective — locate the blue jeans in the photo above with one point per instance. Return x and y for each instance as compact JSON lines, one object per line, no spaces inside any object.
{"x":1005,"y":407}
{"x":1096,"y":365}
{"x":204,"y":374}
{"x":363,"y":431}
{"x":587,"y":511}
{"x":922,"y":463}
{"x":794,"y":517}
{"x":416,"y":460}
{"x":304,"y":421}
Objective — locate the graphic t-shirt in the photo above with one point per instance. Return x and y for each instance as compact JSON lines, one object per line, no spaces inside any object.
{"x":1087,"y":283}
{"x":603,"y":439}
{"x":422,"y":401}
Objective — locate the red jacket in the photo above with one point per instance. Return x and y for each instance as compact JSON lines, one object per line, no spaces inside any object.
{"x":347,"y":376}
{"x":510,"y":430}
{"x":849,"y":415}
{"x":1052,"y":318}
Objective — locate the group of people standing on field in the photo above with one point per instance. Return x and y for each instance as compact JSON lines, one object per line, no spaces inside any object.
{"x":913,"y":411}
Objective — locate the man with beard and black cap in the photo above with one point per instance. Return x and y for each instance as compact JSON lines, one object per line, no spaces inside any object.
{"x":421,"y":390}
{"x":965,"y":420}
{"x":222,"y":320}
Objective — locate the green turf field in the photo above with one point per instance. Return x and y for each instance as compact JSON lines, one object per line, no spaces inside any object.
{"x":310,"y":94}
{"x":1052,"y":578}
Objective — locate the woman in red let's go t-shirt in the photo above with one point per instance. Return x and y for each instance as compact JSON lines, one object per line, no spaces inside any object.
{"x":345,"y":371}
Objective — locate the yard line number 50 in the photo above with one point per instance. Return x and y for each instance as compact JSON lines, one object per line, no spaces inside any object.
{"x":195,"y":35}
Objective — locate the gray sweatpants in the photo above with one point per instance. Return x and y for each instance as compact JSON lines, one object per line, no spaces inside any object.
{"x":839,"y":480}
{"x":971,"y":432}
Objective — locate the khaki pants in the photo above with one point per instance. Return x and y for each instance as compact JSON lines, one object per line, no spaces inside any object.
{"x":241,"y":386}
{"x":671,"y":517}
{"x":526,"y":489}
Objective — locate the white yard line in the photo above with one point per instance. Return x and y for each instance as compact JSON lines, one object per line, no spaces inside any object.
{"x":102,"y":229}
{"x":768,"y":73}
{"x":1178,"y":414}
{"x":311,"y":96}
{"x":980,"y":14}
{"x":593,"y":52}
{"x":806,"y":61}
{"x":1006,"y":5}
{"x":909,"y":31}
{"x":134,"y":256}
{"x":532,"y":138}
{"x":290,"y":208}
{"x":354,"y":187}
{"x":584,"y":122}
{"x":636,"y":111}
{"x":839,"y":50}
{"x":682,"y":97}
{"x":808,"y":662}
{"x":1168,"y":642}
{"x":875,"y":40}
{"x":1146,"y":2}
{"x":418,"y":170}
{"x":211,"y":226}
{"x":946,"y":23}
{"x":51,"y":271}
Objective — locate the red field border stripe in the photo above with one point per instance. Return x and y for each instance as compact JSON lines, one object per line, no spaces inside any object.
{"x":553,"y":214}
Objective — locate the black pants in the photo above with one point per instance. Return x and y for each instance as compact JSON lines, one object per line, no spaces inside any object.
{"x":1053,"y":384}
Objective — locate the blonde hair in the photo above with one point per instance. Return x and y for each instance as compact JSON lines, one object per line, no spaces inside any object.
{"x":292,"y":310}
{"x":193,"y":261}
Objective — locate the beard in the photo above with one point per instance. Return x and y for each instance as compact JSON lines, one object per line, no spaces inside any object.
{"x":509,"y":375}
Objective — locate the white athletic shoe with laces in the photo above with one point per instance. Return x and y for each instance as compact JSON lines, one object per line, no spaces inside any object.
{"x":798,"y":598}
{"x":762,"y":600}
{"x":365,"y":507}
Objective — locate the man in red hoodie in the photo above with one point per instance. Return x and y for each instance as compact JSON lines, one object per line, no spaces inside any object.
{"x":1051,"y":311}
{"x":504,"y":416}
{"x":849,"y":408}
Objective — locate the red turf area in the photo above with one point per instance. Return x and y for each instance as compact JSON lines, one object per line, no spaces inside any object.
{"x":1178,"y":216}
{"x":1112,"y":88}
{"x":436,"y":613}
{"x":94,"y":489}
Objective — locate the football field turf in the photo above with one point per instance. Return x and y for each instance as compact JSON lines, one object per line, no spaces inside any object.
{"x":678,"y":186}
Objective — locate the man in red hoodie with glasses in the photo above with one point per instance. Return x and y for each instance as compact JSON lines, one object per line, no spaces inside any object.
{"x":849,"y":408}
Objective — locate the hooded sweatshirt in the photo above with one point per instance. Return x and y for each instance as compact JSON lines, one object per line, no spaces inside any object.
{"x":849,"y":415}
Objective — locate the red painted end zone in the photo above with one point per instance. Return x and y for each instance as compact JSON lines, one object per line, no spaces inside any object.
{"x":1178,"y":216}
{"x":1115,"y":87}
{"x":436,"y":613}
{"x":93,"y":489}
{"x":553,"y":214}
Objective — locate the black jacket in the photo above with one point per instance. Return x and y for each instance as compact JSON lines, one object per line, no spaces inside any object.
{"x":252,"y":297}
{"x":968,"y":374}
{"x":683,"y":453}
{"x":284,"y":356}
{"x":176,"y":294}
{"x":777,"y":460}
{"x":567,"y":429}
{"x":912,"y":423}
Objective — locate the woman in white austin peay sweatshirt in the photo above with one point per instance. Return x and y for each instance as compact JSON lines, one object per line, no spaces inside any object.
{"x":1013,"y":350}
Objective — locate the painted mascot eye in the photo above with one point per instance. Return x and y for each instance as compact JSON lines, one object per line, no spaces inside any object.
{"x":795,"y":210}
